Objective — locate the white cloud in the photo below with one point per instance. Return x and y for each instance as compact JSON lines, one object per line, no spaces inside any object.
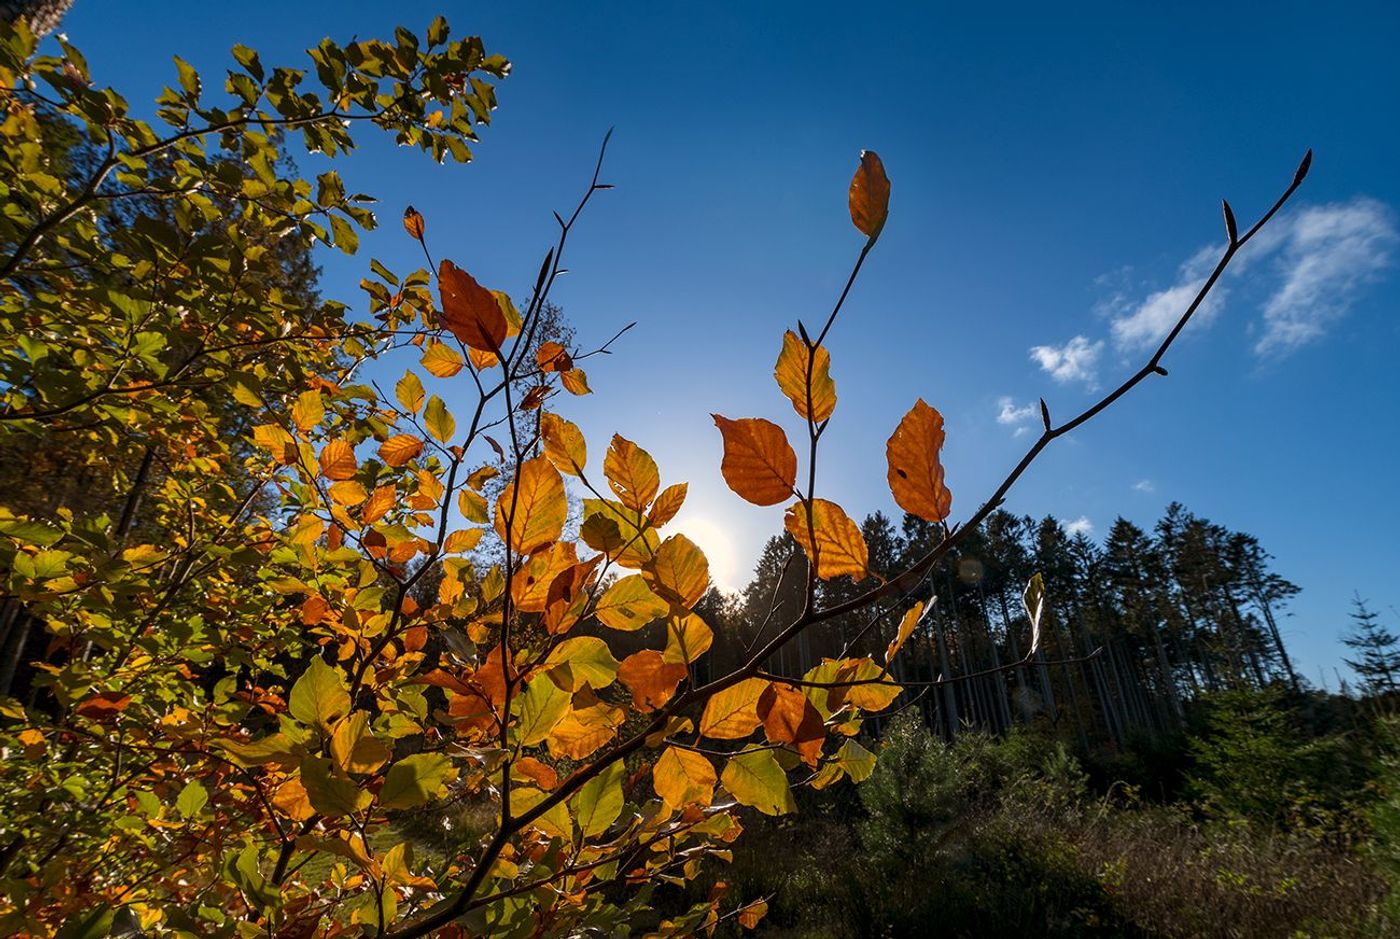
{"x":1080,"y":526}
{"x":1322,"y":255}
{"x":1144,"y":485}
{"x":1016,"y":416}
{"x":1147,"y":323}
{"x":1076,"y":360}
{"x":1330,"y":252}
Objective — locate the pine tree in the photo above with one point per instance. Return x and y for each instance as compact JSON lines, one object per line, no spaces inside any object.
{"x":1379,"y":648}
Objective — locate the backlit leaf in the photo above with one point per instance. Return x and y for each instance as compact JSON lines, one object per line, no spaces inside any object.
{"x":679,"y":571}
{"x":683,"y":777}
{"x":338,"y":460}
{"x":732,"y":714}
{"x":630,"y":604}
{"x":409,"y":391}
{"x":839,"y":547}
{"x":631,"y":473}
{"x":469,"y":310}
{"x":906,"y":627}
{"x":915,"y":474}
{"x":575,"y":381}
{"x":754,"y":778}
{"x":687,"y":638}
{"x":320,"y":696}
{"x":582,"y":660}
{"x":536,"y":499}
{"x":651,"y":679}
{"x":415,"y":780}
{"x":1034,"y":600}
{"x":791,"y":373}
{"x":308,"y":410}
{"x":442,"y":360}
{"x":439,"y":421}
{"x":759,"y":463}
{"x":354,"y":746}
{"x":400,"y":450}
{"x":563,"y":444}
{"x":667,"y":504}
{"x":599,"y":802}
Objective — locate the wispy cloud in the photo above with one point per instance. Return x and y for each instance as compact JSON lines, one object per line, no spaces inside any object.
{"x":1322,"y":255}
{"x":1144,"y":485}
{"x":1076,"y":360}
{"x":1080,"y":526}
{"x":1013,"y":415}
{"x":1331,"y":251}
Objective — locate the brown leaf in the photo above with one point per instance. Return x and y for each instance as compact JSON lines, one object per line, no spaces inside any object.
{"x":469,"y":310}
{"x":413,"y":222}
{"x":759,"y":463}
{"x":870,"y":195}
{"x":553,"y":357}
{"x":915,"y":474}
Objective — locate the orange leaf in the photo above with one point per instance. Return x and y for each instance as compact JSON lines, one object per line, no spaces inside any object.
{"x":732,"y":714}
{"x":915,"y":475}
{"x":400,"y":450}
{"x":631,"y":473}
{"x":377,"y":506}
{"x":530,"y":586}
{"x":840,"y":547}
{"x":539,"y":510}
{"x":575,"y":381}
{"x":758,"y":462}
{"x":667,"y":504}
{"x":906,"y":627}
{"x":563,"y":444}
{"x":347,"y":492}
{"x":470,"y":310}
{"x":791,"y":373}
{"x":870,"y":195}
{"x":651,"y":680}
{"x":338,"y":460}
{"x":750,"y":915}
{"x":679,"y":571}
{"x":788,"y":717}
{"x":683,"y":777}
{"x":552,"y":357}
{"x":104,"y":705}
{"x":542,"y":774}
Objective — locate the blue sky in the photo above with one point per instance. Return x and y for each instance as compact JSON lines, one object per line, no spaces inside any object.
{"x":1056,"y":175}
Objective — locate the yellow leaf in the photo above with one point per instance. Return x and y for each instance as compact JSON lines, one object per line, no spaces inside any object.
{"x":915,"y":474}
{"x":409,"y":391}
{"x":631,"y":473}
{"x":575,"y":381}
{"x":464,"y":539}
{"x":906,"y":627}
{"x":683,"y":777}
{"x":563,"y":444}
{"x":667,"y":504}
{"x":441,"y":360}
{"x":473,"y":506}
{"x":582,"y":660}
{"x":758,"y":462}
{"x":630,"y":604}
{"x":400,"y":450}
{"x":347,"y":492}
{"x":687,"y":638}
{"x":338,"y":460}
{"x":354,"y":746}
{"x":539,"y":510}
{"x":839,"y":547}
{"x":439,"y":421}
{"x":870,"y":195}
{"x":587,"y":726}
{"x":791,"y":373}
{"x":679,"y":571}
{"x":413,"y":223}
{"x":732,"y":714}
{"x":308,"y":410}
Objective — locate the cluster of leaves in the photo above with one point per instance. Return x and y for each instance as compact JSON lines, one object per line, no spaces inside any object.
{"x":242,"y":694}
{"x":345,"y":604}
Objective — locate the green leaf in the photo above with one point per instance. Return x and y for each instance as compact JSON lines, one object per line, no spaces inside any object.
{"x":582,"y":660}
{"x":542,"y":706}
{"x":598,"y":804}
{"x":755,"y":778}
{"x":857,"y":761}
{"x":191,"y":799}
{"x":332,"y":793}
{"x":320,"y":695}
{"x":414,"y":780}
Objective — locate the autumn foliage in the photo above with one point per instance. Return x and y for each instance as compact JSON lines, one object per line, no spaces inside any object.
{"x":282,"y":637}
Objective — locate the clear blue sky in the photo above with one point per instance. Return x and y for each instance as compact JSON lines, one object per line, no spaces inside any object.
{"x":1056,"y":171}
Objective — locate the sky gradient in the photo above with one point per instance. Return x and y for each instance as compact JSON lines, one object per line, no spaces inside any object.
{"x":1056,"y":182}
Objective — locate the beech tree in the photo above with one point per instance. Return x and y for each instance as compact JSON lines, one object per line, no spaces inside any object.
{"x":244,"y":703}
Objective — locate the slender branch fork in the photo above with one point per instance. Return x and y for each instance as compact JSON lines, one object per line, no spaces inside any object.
{"x":902,"y":584}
